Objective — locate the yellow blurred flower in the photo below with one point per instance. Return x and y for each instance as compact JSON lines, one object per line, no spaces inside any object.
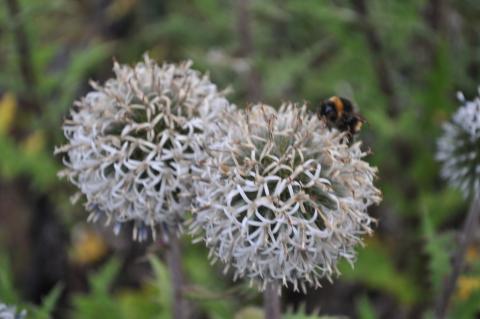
{"x":88,"y":247}
{"x":34,"y":143}
{"x":8,"y":106}
{"x":467,"y":285}
{"x":472,"y":255}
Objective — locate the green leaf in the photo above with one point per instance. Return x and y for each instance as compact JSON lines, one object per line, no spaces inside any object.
{"x":365,"y":309}
{"x":14,"y":161}
{"x":8,"y":292}
{"x":44,"y":311}
{"x":162,"y":283}
{"x":210,"y":281}
{"x":69,"y":80}
{"x":385,"y":277}
{"x":467,"y":309}
{"x":301,"y":313}
{"x":141,"y":304}
{"x":99,"y":303}
{"x":101,"y":281}
{"x":438,"y":248}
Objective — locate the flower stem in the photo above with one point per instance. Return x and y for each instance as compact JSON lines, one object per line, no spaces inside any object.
{"x":271,"y":301}
{"x":464,"y":241}
{"x":246,"y":47}
{"x":174,"y":257}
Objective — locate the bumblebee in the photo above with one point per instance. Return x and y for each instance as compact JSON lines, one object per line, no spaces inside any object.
{"x":340,"y":113}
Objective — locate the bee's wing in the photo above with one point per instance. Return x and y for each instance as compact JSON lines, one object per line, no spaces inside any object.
{"x":346,"y":90}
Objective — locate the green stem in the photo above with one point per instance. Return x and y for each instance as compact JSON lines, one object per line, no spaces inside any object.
{"x":465,"y":239}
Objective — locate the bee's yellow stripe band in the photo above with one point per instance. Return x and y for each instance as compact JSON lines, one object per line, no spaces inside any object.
{"x":338,"y":104}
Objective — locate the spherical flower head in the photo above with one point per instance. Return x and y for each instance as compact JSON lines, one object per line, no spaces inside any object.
{"x":7,"y":312}
{"x":458,"y":149}
{"x":133,"y":140}
{"x":284,"y":197}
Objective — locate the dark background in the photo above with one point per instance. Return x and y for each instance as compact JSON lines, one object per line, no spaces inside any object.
{"x":402,"y":62}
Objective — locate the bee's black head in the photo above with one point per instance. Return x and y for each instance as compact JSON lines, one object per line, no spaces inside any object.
{"x":328,"y":110}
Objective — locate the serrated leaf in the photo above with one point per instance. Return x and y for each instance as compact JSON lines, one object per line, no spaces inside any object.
{"x":99,"y":302}
{"x":44,"y":311}
{"x":103,"y":279}
{"x":437,"y":247}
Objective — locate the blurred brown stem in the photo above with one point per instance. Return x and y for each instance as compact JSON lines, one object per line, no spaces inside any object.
{"x":435,"y":13}
{"x":174,"y":257}
{"x":246,"y":49}
{"x":23,"y":51}
{"x":375,"y":45}
{"x":465,"y":239}
{"x":47,"y":237}
{"x":271,"y":301}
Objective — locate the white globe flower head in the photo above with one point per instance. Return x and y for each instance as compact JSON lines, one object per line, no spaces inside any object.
{"x":133,"y":140}
{"x":7,"y":312}
{"x":458,"y":149}
{"x":284,"y":197}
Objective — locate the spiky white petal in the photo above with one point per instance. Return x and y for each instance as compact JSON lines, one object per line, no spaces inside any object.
{"x":458,"y":149}
{"x":283,"y":197}
{"x":133,"y":140}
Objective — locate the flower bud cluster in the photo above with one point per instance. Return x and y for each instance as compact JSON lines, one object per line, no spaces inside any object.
{"x":459,"y":148}
{"x":133,"y":140}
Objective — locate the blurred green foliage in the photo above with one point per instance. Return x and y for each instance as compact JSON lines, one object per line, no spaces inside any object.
{"x":11,"y":296}
{"x":151,"y":302}
{"x":300,"y":51}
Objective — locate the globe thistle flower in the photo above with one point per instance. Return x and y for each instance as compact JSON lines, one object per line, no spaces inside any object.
{"x":458,"y":149}
{"x":7,"y":312}
{"x":283,"y":198}
{"x":132,"y":141}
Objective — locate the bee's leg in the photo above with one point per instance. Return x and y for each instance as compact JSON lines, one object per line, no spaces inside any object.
{"x":347,"y":138}
{"x":342,"y":125}
{"x":354,"y":124}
